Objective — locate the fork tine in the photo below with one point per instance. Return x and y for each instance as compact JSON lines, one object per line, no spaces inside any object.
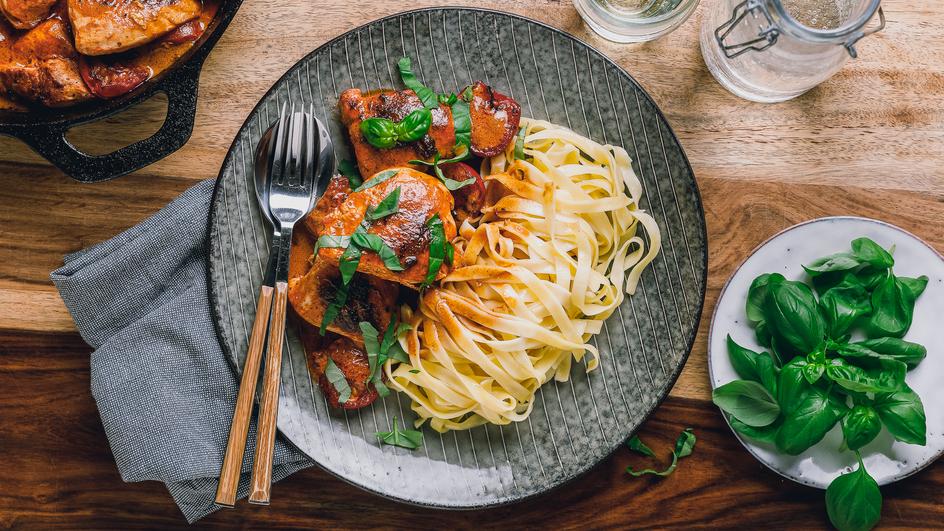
{"x":277,"y":165}
{"x":308,"y":169}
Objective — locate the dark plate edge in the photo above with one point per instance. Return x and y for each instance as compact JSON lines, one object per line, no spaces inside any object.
{"x":217,"y":316}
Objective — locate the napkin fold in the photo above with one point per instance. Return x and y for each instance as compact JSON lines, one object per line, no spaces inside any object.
{"x":164,"y":390}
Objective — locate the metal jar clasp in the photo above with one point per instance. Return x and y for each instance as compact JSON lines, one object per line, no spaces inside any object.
{"x":766,"y":38}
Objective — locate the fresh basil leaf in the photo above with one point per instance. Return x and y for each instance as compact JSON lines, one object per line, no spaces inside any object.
{"x":331,"y":312}
{"x":377,"y":179}
{"x":437,"y":248}
{"x":414,"y":126}
{"x":380,"y":132}
{"x":376,"y":244}
{"x":387,"y":206}
{"x":637,"y":445}
{"x":762,"y":334}
{"x":765,"y":434}
{"x":382,"y":389}
{"x":462,"y":122}
{"x":758,"y":293}
{"x":753,"y":366}
{"x":747,"y":401}
{"x":813,"y":372}
{"x":403,"y":328}
{"x":330,"y":241}
{"x":860,"y":426}
{"x":338,"y":380}
{"x":915,"y":285}
{"x":519,"y":144}
{"x":791,"y":311}
{"x":429,"y":98}
{"x":854,"y":501}
{"x":843,"y":304}
{"x":448,"y":99}
{"x":684,"y":446}
{"x":903,"y":415}
{"x":833,"y":262}
{"x":348,"y":169}
{"x":792,"y":385}
{"x":906,"y":352}
{"x":350,"y":258}
{"x":814,"y":415}
{"x":892,"y":309}
{"x":869,"y":252}
{"x":409,"y":439}
{"x":886,"y":379}
{"x":452,"y":185}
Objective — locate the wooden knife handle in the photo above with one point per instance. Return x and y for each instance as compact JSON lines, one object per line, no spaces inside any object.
{"x":238,"y":430}
{"x":269,"y":405}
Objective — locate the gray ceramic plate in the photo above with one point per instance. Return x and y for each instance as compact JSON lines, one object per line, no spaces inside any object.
{"x":643,"y":346}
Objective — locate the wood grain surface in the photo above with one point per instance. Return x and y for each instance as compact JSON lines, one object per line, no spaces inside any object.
{"x":869,"y":142}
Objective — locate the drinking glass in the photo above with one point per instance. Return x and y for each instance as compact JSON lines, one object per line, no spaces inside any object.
{"x":634,"y":20}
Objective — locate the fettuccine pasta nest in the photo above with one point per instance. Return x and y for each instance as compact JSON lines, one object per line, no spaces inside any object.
{"x":555,"y":249}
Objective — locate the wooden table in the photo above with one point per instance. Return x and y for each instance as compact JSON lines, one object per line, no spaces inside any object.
{"x":868,"y":142}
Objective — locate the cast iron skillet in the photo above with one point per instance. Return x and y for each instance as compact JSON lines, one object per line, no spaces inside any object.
{"x":44,"y":129}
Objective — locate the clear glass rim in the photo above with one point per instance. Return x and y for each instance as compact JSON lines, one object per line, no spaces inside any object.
{"x":682,"y":7}
{"x":794,"y":26}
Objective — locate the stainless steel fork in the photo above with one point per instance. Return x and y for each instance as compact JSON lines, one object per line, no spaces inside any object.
{"x":291,"y":182}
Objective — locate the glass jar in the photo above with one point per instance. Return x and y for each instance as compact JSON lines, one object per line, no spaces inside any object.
{"x":634,"y":20}
{"x":774,"y":50}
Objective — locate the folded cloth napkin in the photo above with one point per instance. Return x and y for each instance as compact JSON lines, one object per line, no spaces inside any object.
{"x":163,"y":388}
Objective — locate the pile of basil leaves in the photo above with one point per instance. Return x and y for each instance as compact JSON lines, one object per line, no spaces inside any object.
{"x":814,"y":375}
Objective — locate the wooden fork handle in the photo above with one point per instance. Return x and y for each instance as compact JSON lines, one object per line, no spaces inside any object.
{"x":269,"y":405}
{"x":238,"y":430}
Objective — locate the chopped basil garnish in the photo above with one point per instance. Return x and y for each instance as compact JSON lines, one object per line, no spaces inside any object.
{"x":437,"y":248}
{"x":448,"y":99}
{"x":338,"y":380}
{"x":414,"y":371}
{"x":462,"y":122}
{"x":376,"y":244}
{"x":348,"y":169}
{"x":636,"y":445}
{"x":429,"y":98}
{"x":388,"y":206}
{"x":348,"y":265}
{"x":409,"y":439}
{"x":330,"y":241}
{"x":519,"y":144}
{"x":376,"y":179}
{"x":451,"y":184}
{"x":683,"y":448}
{"x":378,"y":352}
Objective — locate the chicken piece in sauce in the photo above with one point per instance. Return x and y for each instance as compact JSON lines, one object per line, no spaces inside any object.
{"x":349,"y":358}
{"x":42,"y":66}
{"x":110,"y":26}
{"x":26,"y":14}
{"x":369,"y":299}
{"x":356,"y":106}
{"x":406,"y":232}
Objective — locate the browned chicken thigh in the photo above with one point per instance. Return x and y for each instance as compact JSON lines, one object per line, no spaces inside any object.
{"x":110,"y":26}
{"x":26,"y":14}
{"x":356,"y":106}
{"x":406,"y":232}
{"x":42,"y":66}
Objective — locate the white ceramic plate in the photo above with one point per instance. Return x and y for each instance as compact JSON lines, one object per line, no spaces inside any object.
{"x":887,"y":460}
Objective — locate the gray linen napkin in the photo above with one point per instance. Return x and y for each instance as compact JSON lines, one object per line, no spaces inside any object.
{"x":162,"y":386}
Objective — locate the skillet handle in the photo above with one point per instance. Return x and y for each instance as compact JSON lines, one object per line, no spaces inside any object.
{"x":180,"y":86}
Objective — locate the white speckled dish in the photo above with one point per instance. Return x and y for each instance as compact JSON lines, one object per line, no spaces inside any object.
{"x":643,"y":345}
{"x":887,"y":460}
